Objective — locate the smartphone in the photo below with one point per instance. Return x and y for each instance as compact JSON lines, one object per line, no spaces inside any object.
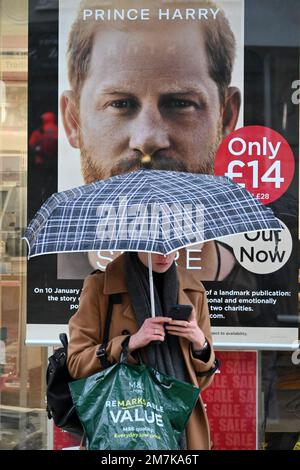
{"x":180,"y":312}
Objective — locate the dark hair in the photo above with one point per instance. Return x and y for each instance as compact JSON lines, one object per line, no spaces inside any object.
{"x":219,"y":41}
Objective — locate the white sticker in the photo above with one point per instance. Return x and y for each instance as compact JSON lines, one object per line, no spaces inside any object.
{"x":262,"y":252}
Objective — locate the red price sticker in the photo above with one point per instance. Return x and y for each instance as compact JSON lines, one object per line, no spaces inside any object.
{"x":259,"y":159}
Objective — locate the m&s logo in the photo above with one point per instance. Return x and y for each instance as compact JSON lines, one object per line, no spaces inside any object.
{"x":136,"y":385}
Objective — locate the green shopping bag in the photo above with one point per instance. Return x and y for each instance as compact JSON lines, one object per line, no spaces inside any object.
{"x":133,"y":407}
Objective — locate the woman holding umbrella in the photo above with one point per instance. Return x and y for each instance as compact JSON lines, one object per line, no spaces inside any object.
{"x":146,"y":212}
{"x":182,"y":348}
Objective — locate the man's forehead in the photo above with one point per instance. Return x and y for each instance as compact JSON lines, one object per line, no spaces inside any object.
{"x":139,"y":50}
{"x":174,"y":61}
{"x":153,"y":35}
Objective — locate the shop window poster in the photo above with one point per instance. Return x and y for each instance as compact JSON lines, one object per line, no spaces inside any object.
{"x":202,"y":86}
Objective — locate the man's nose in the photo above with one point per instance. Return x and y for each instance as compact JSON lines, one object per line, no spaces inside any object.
{"x":149,"y":133}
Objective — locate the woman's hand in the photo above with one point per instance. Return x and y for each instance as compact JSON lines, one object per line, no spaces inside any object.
{"x":151,"y":330}
{"x":189,"y":330}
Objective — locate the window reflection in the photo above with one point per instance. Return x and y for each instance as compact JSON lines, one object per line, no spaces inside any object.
{"x":23,"y":422}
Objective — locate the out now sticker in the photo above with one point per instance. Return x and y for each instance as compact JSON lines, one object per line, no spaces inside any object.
{"x":262,"y":252}
{"x":259,"y":159}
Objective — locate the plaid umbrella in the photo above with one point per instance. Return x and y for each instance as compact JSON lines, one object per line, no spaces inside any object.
{"x":148,"y":210}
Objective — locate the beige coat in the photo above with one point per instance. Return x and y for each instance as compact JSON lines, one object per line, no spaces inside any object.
{"x":87,"y":326}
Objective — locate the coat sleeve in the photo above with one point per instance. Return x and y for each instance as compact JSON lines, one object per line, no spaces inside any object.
{"x":204,"y":370}
{"x":86,"y":330}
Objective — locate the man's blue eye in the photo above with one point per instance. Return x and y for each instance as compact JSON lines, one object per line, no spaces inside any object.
{"x":121,"y":104}
{"x":179,"y":103}
{"x":182,"y":103}
{"x":129,"y":104}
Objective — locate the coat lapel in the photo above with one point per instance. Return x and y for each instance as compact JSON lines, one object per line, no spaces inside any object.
{"x":114,"y":283}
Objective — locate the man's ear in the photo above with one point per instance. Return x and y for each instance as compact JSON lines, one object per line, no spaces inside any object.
{"x":231,"y":110}
{"x":70,"y":117}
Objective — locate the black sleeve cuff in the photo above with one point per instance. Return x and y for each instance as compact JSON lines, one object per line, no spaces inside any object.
{"x":204,"y":355}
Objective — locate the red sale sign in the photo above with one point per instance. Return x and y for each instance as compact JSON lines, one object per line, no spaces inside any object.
{"x":231,"y":402}
{"x":259,"y":159}
{"x":64,"y":440}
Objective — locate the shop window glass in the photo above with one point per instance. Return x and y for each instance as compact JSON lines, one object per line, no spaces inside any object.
{"x":23,"y":422}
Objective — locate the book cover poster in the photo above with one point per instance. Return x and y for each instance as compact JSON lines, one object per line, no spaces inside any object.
{"x":200,"y":86}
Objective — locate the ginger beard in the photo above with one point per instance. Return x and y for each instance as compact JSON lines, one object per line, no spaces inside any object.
{"x":93,"y":172}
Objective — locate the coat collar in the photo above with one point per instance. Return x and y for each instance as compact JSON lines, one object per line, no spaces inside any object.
{"x":114,"y":280}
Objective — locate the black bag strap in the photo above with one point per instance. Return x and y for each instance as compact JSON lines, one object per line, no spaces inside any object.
{"x":211,"y":371}
{"x":125,"y":352}
{"x":113,"y":299}
{"x":64,"y":340}
{"x":101,"y":351}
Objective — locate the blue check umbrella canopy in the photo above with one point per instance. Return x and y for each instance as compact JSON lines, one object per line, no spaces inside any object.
{"x":148,"y":210}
